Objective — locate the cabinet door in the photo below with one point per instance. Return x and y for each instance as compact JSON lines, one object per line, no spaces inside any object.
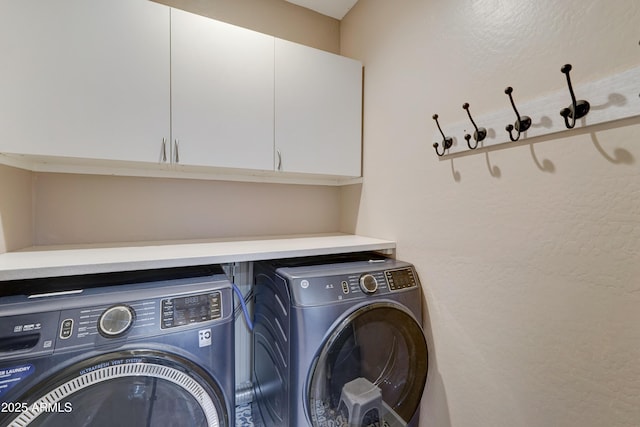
{"x":318,"y":111}
{"x":84,"y":78}
{"x":222,"y":93}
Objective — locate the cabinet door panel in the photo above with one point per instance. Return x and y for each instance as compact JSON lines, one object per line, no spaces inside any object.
{"x":84,"y":78}
{"x":318,"y":111}
{"x":222,"y":93}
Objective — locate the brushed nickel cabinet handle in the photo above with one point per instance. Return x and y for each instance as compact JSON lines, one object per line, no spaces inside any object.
{"x":164,"y":150}
{"x":279,"y":167}
{"x":177,"y":155}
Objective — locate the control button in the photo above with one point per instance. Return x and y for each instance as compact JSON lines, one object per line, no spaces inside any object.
{"x":66,"y":328}
{"x":115,"y":321}
{"x":368,"y":283}
{"x":216,"y":306}
{"x":345,"y":287}
{"x":304,"y":284}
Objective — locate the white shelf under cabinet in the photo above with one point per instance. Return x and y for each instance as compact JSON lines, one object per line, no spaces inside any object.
{"x":53,"y":261}
{"x":161,"y":170}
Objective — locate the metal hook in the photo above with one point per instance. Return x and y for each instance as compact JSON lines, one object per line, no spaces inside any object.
{"x":480,"y":133}
{"x":447,"y":141}
{"x":522,"y":124}
{"x":577,"y":109}
{"x":468,"y":138}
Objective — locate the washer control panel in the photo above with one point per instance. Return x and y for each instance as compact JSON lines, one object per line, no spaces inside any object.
{"x":112,"y":315}
{"x":141,"y":318}
{"x":191,"y":309}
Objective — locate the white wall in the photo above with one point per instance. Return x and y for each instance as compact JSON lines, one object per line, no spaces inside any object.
{"x":75,"y":209}
{"x":16,"y":214}
{"x":529,"y":255}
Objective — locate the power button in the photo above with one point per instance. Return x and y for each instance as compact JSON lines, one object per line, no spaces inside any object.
{"x":66,"y":329}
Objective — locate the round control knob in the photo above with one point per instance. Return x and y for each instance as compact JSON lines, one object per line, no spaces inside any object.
{"x":115,"y":321}
{"x":368,"y":283}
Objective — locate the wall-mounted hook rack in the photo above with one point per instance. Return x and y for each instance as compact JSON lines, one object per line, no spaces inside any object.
{"x":447,"y":142}
{"x":478,"y":135}
{"x":577,"y":109}
{"x":522,"y":124}
{"x":611,"y":98}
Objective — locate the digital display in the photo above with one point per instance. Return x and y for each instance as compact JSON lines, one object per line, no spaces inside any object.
{"x":191,"y":309}
{"x":400,"y":279}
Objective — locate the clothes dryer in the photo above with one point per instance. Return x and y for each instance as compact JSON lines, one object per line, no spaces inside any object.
{"x":338,"y":341}
{"x":152,"y":352}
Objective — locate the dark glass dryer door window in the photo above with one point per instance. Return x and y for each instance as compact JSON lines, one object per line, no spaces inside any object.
{"x":371,"y":371}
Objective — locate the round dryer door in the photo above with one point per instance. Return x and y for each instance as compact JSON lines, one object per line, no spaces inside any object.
{"x":371,"y":370}
{"x":127,"y":388}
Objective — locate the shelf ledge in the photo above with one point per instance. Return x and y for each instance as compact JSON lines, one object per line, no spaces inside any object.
{"x":67,"y":260}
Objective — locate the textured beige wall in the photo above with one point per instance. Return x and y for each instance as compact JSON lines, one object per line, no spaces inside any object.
{"x":529,"y":255}
{"x":275,"y":17}
{"x":94,"y":208}
{"x":15,"y":209}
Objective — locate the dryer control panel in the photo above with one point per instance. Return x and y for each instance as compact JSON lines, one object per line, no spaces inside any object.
{"x":326,"y":289}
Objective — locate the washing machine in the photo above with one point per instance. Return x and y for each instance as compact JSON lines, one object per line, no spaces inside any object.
{"x":338,"y":341}
{"x":152,"y":348}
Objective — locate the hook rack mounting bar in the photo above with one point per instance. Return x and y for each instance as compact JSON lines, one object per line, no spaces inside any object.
{"x":612,"y":98}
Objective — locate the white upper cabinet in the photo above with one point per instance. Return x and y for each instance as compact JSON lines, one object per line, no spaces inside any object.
{"x":137,"y":81}
{"x":84,"y":78}
{"x":318,"y":111}
{"x":222,"y":93}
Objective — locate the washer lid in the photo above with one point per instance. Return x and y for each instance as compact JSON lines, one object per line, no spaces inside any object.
{"x":373,"y":367}
{"x":141,"y":388}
